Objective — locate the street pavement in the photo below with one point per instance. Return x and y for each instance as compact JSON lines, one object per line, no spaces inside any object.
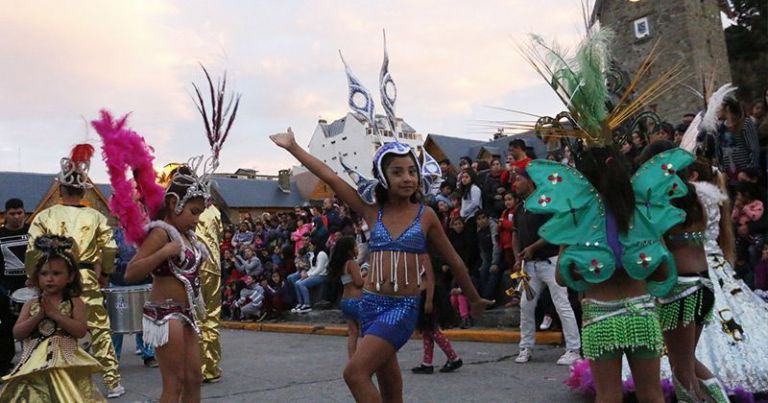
{"x":277,"y":367}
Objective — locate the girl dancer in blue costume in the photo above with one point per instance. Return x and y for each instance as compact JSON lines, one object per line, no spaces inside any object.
{"x":400,"y":228}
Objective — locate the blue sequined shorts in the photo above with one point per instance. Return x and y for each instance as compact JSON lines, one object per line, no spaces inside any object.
{"x":393,"y":318}
{"x":350,"y":308}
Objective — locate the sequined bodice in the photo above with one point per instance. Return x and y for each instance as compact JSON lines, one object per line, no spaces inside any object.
{"x":187,"y":269}
{"x":411,"y":240}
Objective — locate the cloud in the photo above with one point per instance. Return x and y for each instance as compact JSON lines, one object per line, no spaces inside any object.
{"x":449,"y":58}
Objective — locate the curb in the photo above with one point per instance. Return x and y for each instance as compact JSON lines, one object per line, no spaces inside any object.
{"x":478,"y":335}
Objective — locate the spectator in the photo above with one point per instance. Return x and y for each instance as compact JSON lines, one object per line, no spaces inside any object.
{"x":518,"y":151}
{"x":229,"y":272}
{"x":490,"y":256}
{"x":249,"y":263}
{"x":226,"y":241}
{"x":311,"y":278}
{"x":243,"y":236}
{"x":540,"y":261}
{"x":493,"y":190}
{"x":738,"y":146}
{"x":303,"y":229}
{"x":331,"y":213}
{"x":506,"y":225}
{"x":248,"y":306}
{"x":230,"y":295}
{"x":279,"y":295}
{"x":13,"y":241}
{"x":448,"y":173}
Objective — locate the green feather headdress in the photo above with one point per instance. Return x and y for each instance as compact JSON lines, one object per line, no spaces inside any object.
{"x":581,"y":80}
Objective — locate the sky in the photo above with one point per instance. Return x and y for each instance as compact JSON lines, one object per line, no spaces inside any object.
{"x":452,"y":60}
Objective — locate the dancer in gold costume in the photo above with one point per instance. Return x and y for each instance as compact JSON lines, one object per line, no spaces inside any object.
{"x":209,"y":231}
{"x":52,"y":367}
{"x":95,"y":249}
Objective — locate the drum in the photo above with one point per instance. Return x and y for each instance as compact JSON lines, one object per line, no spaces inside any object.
{"x":20,"y":296}
{"x":125,"y":306}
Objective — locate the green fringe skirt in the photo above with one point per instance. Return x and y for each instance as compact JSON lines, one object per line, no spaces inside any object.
{"x":691,"y":300}
{"x":611,"y":328}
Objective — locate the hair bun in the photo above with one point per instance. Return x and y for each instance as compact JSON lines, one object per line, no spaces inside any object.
{"x":54,"y":244}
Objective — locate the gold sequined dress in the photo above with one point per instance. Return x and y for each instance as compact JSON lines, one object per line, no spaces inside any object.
{"x":95,"y":245}
{"x":52,"y":368}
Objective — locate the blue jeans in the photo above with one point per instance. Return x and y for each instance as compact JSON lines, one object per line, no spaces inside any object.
{"x":489,"y":282}
{"x":303,"y":286}
{"x":147,"y":351}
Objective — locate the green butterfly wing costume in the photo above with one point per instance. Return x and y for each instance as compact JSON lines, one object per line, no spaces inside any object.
{"x":579,"y":221}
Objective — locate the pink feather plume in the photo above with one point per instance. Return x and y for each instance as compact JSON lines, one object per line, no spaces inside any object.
{"x":134,"y":202}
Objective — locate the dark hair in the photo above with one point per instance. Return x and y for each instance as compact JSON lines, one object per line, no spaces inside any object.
{"x":483,"y":165}
{"x":446,"y":184}
{"x":517,"y":143}
{"x":694,"y":211}
{"x":703,"y":167}
{"x":733,"y":106}
{"x":606,"y":169}
{"x":13,"y":203}
{"x":749,"y":189}
{"x":72,"y":191}
{"x":178,"y":186}
{"x":751,"y":172}
{"x":667,"y":128}
{"x":481,"y":212}
{"x":341,"y":253}
{"x":382,"y":194}
{"x":445,"y":161}
{"x":466,"y":190}
{"x":73,"y":288}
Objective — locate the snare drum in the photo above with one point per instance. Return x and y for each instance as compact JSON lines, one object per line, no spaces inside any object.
{"x":125,"y":306}
{"x":20,"y":296}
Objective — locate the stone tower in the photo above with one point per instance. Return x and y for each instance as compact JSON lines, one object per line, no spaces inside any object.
{"x":691,"y":33}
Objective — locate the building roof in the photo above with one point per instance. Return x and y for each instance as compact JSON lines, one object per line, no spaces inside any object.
{"x":530,"y":139}
{"x":256,"y":193}
{"x":31,"y":188}
{"x":453,"y":147}
{"x":337,"y":126}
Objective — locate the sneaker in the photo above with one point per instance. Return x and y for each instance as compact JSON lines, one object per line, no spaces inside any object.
{"x":117,"y":391}
{"x":151,"y":363}
{"x":451,"y":366}
{"x":261,"y":317}
{"x":524,"y":356}
{"x":466,"y":323}
{"x":138,"y":352}
{"x":296,"y":309}
{"x":423,"y":369}
{"x":568,"y":358}
{"x":305,"y":309}
{"x":546,"y":323}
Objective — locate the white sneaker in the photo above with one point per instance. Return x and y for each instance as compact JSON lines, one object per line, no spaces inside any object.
{"x":138,"y":351}
{"x":117,"y":391}
{"x":305,"y":309}
{"x":545,"y":323}
{"x":524,"y":356}
{"x":568,"y":358}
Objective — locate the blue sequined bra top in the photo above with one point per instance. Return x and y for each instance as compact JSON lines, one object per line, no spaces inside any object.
{"x":411,"y":240}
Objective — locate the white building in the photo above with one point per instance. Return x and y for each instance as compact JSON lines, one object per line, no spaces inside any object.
{"x":354,"y":139}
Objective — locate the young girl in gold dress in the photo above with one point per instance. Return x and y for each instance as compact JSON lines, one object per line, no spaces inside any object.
{"x":53,"y":368}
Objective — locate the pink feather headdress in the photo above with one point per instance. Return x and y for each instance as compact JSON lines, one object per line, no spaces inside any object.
{"x":134,"y":202}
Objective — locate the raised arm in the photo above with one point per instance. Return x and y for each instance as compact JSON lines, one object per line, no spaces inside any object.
{"x":343,"y":190}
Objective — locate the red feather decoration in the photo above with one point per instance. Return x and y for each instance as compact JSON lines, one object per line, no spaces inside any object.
{"x":82,"y":153}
